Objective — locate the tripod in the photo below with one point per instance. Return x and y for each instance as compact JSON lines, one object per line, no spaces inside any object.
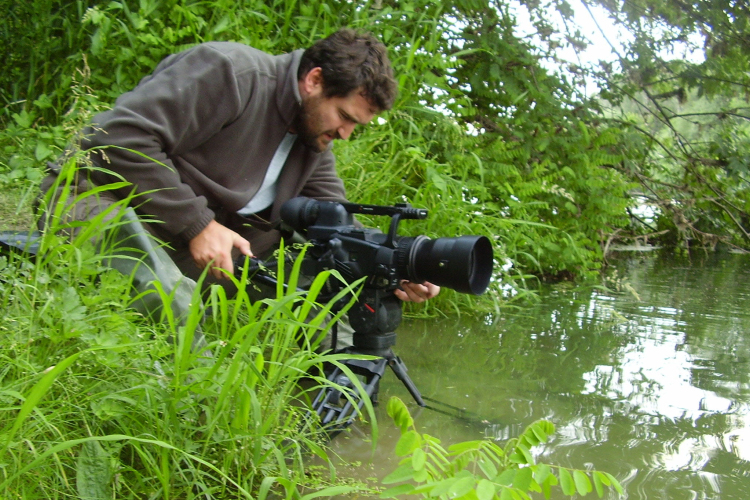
{"x":374,"y":319}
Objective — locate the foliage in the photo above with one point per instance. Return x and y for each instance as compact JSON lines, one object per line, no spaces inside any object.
{"x":100,"y":401}
{"x":482,"y":470}
{"x":481,"y":128}
{"x":678,"y":91}
{"x":482,"y":134}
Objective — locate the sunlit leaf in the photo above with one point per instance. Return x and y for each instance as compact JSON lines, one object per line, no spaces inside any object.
{"x":485,"y":490}
{"x":541,"y":473}
{"x":461,"y":487}
{"x":404,"y":472}
{"x":566,"y":482}
{"x":396,"y":491}
{"x":523,"y":478}
{"x":506,"y":478}
{"x":408,"y":442}
{"x":583,"y":485}
{"x":418,"y":459}
{"x":615,"y":483}
{"x":598,"y":483}
{"x":488,"y":468}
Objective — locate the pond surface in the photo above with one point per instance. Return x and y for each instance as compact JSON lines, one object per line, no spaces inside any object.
{"x":651,"y":384}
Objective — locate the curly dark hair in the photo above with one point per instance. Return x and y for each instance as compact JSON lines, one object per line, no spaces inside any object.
{"x":352,"y":60}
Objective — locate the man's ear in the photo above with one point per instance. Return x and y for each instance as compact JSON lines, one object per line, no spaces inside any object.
{"x":312,"y":83}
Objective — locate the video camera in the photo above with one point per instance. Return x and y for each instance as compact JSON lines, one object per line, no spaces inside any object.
{"x":384,"y":260}
{"x":337,"y":242}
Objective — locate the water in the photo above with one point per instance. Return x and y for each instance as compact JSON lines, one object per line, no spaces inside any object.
{"x":650,"y":384}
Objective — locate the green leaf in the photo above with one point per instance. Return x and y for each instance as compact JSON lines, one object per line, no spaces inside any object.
{"x":409,"y":441}
{"x":566,"y":482}
{"x":485,"y":490}
{"x":506,"y":478}
{"x":421,"y":476}
{"x":441,"y":487}
{"x":93,"y":474}
{"x":615,"y":483}
{"x":461,"y":487}
{"x":605,"y":480}
{"x":399,"y":413}
{"x":418,"y":459}
{"x":466,"y":446}
{"x":539,"y":433}
{"x":598,"y":483}
{"x":265,"y":487}
{"x":488,"y":468}
{"x":42,"y":152}
{"x":221,"y":25}
{"x":547,"y":487}
{"x":401,"y":489}
{"x":522,"y":479}
{"x":526,"y":454}
{"x":437,"y":179}
{"x":37,"y":393}
{"x":583,"y":485}
{"x":24,"y":119}
{"x":403,"y":473}
{"x":541,"y":473}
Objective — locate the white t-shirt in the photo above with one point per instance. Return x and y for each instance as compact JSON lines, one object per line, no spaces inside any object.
{"x":267,"y":192}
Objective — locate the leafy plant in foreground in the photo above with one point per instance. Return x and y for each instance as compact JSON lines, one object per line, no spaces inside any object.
{"x":482,"y":470}
{"x":99,"y":401}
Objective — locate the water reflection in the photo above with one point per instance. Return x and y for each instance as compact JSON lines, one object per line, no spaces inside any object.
{"x":650,"y":384}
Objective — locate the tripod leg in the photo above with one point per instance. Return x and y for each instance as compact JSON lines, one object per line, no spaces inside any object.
{"x":399,"y":368}
{"x":327,"y":403}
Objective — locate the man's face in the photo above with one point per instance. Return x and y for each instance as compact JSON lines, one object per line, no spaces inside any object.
{"x":323,"y":119}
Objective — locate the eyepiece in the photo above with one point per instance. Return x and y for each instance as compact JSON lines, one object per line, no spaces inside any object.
{"x":300,"y":212}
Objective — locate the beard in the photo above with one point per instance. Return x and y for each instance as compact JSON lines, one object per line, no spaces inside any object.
{"x":309,"y":128}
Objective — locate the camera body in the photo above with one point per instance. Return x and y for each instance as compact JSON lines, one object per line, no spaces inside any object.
{"x":384,"y":259}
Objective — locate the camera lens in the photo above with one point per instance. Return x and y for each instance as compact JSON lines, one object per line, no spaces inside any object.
{"x":463,"y":264}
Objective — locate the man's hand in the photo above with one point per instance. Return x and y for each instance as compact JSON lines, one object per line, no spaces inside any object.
{"x":415,"y":292}
{"x":215,"y":243}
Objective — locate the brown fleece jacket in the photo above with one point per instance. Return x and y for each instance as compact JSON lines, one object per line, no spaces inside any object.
{"x":198,"y":134}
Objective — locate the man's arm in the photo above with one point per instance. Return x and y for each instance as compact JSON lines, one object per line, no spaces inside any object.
{"x":184,"y":103}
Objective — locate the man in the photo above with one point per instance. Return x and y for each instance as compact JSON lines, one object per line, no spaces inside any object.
{"x":219,"y":136}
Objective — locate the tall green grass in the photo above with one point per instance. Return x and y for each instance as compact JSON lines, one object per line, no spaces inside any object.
{"x":97,"y":401}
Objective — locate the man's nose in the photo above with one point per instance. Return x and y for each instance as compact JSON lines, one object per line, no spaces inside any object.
{"x":346,"y":130}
